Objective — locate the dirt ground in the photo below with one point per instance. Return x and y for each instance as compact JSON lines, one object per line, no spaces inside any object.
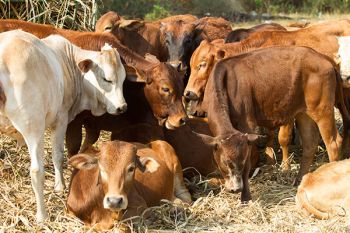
{"x":214,"y":210}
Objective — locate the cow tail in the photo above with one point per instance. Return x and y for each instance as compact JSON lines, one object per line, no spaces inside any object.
{"x":340,"y":98}
{"x":2,"y":97}
{"x":303,"y":202}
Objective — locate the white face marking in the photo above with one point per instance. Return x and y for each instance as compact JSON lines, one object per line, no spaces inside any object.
{"x":344,"y":56}
{"x":108,"y":79}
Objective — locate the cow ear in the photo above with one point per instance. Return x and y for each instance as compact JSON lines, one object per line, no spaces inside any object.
{"x":208,"y":140}
{"x":85,"y":65}
{"x":131,"y":24}
{"x":220,"y":54}
{"x":259,"y":140}
{"x":151,"y":58}
{"x":83,"y":161}
{"x":139,"y":76}
{"x":147,"y":164}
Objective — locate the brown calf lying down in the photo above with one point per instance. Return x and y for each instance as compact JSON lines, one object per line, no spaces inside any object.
{"x":246,"y":91}
{"x":325,"y":192}
{"x":243,"y":33}
{"x":122,"y":180}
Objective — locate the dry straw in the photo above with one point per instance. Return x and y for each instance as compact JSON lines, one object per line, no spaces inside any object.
{"x":72,"y":14}
{"x":214,"y":210}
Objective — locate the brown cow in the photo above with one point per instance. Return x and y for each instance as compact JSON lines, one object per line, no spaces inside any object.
{"x":122,"y":180}
{"x":140,"y":36}
{"x":207,"y":54}
{"x":160,"y":80}
{"x":324,"y":193}
{"x":244,"y":92}
{"x":182,"y":37}
{"x":242,"y":33}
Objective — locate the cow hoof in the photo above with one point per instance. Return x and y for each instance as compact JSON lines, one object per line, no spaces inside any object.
{"x":60,"y":187}
{"x":41,"y":216}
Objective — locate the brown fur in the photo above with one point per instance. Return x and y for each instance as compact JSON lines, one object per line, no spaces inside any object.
{"x":324,"y":192}
{"x":87,"y":189}
{"x":145,"y":38}
{"x":243,"y":33}
{"x":182,"y":37}
{"x":154,"y":77}
{"x":2,"y":97}
{"x":241,"y":97}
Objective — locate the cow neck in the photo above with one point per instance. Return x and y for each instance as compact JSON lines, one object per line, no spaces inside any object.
{"x":243,"y":46}
{"x":85,"y":100}
{"x":216,"y":102}
{"x":95,"y":41}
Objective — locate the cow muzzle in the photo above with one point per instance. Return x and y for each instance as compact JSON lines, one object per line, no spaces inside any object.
{"x":172,"y":124}
{"x":234,"y":184}
{"x":190,"y":95}
{"x":115,"y":203}
{"x":119,"y":110}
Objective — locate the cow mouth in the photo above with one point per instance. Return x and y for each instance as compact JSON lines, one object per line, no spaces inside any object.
{"x":164,"y":121}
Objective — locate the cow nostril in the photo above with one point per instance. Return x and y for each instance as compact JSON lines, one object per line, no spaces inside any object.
{"x":114,"y":201}
{"x":348,"y":78}
{"x":183,"y":120}
{"x":122,"y":109}
{"x":191,"y":95}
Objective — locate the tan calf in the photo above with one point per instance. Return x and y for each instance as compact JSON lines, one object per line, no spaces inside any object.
{"x":122,"y":180}
{"x":325,"y":192}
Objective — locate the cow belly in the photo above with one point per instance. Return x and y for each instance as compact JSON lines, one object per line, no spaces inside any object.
{"x":7,"y":128}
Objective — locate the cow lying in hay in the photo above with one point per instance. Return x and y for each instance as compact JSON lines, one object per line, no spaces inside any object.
{"x":325,"y":192}
{"x":46,"y":83}
{"x":245,"y":91}
{"x":122,"y":180}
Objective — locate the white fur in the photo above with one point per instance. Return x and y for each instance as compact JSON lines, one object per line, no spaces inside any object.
{"x":44,"y":88}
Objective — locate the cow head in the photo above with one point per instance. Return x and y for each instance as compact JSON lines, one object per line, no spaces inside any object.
{"x":180,"y":39}
{"x":231,"y":153}
{"x":163,"y":91}
{"x":116,"y":163}
{"x":107,"y":22}
{"x":104,"y":76}
{"x":202,"y":63}
{"x":112,"y":22}
{"x":343,"y":58}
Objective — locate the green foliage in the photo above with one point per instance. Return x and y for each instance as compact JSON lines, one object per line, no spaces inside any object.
{"x":158,"y":12}
{"x":155,"y":9}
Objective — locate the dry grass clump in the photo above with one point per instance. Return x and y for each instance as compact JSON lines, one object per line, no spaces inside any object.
{"x":214,"y":210}
{"x":72,"y":14}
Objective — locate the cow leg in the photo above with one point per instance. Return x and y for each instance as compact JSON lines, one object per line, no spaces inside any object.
{"x":309,"y":136}
{"x":74,"y":137}
{"x":284,"y":136}
{"x":57,"y":141}
{"x":91,"y":136}
{"x":35,"y":142}
{"x":346,"y":139}
{"x":245,"y":195}
{"x":180,"y":190}
{"x":330,"y":136}
{"x":270,"y":158}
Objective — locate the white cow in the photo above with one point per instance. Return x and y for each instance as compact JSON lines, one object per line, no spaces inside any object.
{"x":46,"y":83}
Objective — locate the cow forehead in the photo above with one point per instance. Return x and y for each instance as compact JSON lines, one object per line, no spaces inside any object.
{"x":179,"y":28}
{"x":116,"y":154}
{"x":203,"y":52}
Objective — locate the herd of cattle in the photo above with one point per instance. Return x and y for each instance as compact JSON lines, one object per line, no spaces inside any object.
{"x":215,"y":90}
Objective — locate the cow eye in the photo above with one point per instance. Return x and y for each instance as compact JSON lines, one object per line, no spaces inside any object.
{"x":131,"y":169}
{"x":107,"y":81}
{"x":202,"y":65}
{"x":165,"y":89}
